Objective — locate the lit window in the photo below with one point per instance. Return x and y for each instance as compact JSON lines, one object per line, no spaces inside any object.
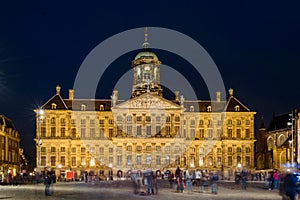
{"x":208,"y":109}
{"x":83,"y":107}
{"x":237,"y":108}
{"x":53,"y":106}
{"x":192,"y":108}
{"x":101,"y":108}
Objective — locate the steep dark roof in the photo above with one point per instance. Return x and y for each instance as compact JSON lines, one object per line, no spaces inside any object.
{"x":57,"y":99}
{"x":4,"y":121}
{"x":91,"y":104}
{"x":201,"y":106}
{"x":232,"y":103}
{"x":279,"y":122}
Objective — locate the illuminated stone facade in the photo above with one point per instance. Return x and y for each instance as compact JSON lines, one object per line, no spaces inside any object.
{"x":275,"y":150}
{"x":9,"y":147}
{"x":146,"y":131}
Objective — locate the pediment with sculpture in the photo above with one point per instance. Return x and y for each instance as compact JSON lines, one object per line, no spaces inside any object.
{"x":148,"y":101}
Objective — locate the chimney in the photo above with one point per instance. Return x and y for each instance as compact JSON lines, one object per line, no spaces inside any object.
{"x":218,"y":96}
{"x":71,"y":94}
{"x":57,"y":89}
{"x":176,"y":95}
{"x":230,"y":92}
{"x":114,"y":97}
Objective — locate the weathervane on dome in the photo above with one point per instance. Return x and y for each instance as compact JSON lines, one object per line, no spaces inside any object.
{"x":146,"y":43}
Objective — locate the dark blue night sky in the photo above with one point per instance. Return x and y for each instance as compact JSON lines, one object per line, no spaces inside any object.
{"x":255,"y":45}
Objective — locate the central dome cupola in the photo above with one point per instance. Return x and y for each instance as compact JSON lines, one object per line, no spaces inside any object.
{"x":146,"y":75}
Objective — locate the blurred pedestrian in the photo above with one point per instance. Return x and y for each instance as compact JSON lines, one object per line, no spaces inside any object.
{"x":188,"y":180}
{"x":214,"y":186}
{"x":276,"y":177}
{"x":290,"y":185}
{"x":47,"y":183}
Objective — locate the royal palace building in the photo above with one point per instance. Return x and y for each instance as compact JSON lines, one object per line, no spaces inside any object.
{"x":147,"y":131}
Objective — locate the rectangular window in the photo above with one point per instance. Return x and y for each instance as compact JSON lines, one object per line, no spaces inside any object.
{"x":238,"y":133}
{"x":229,"y":133}
{"x":43,"y":161}
{"x":73,"y":161}
{"x":129,"y":160}
{"x":158,"y":160}
{"x":53,"y":149}
{"x":53,"y":160}
{"x":111,"y":132}
{"x":192,"y":133}
{"x":62,"y":149}
{"x":111,"y":121}
{"x":82,"y":133}
{"x":247,"y":133}
{"x":210,"y":133}
{"x":43,"y":149}
{"x":219,"y":150}
{"x":167,"y":148}
{"x":158,"y":148}
{"x":230,"y":149}
{"x":177,"y":160}
{"x":129,"y":148}
{"x":111,"y":150}
{"x":168,"y":160}
{"x":168,"y":119}
{"x":139,"y":130}
{"x":219,"y":161}
{"x":53,"y":131}
{"x":101,"y":150}
{"x":63,"y":132}
{"x":119,"y":149}
{"x":101,"y":122}
{"x":92,"y":133}
{"x":129,"y":130}
{"x":119,"y":160}
{"x":139,"y":148}
{"x":138,"y":160}
{"x":158,"y":119}
{"x":201,"y":133}
{"x":247,"y":159}
{"x":73,"y":149}
{"x":148,"y":148}
{"x":43,"y":132}
{"x":111,"y":160}
{"x":82,"y":150}
{"x":168,"y":130}
{"x":83,"y":161}
{"x":73,"y":132}
{"x":148,"y":130}
{"x":139,"y":118}
{"x":63,"y":160}
{"x":229,"y":160}
{"x":148,"y":119}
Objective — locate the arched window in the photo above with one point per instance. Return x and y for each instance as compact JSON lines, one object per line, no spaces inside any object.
{"x":101,"y":107}
{"x":53,"y":106}
{"x":192,"y":108}
{"x":208,"y":108}
{"x":83,"y":107}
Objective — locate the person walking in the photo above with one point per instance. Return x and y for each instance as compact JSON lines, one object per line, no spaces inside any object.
{"x":214,"y":186}
{"x":47,"y":183}
{"x":276,"y":177}
{"x":188,"y":180}
{"x":290,"y":185}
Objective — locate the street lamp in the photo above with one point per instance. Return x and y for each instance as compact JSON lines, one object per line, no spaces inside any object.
{"x":39,"y":141}
{"x":291,"y":124}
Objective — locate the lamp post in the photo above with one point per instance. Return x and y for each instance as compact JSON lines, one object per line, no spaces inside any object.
{"x":39,"y":141}
{"x":291,"y":124}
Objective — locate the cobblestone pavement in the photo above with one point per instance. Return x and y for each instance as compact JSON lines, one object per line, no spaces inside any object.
{"x":89,"y":191}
